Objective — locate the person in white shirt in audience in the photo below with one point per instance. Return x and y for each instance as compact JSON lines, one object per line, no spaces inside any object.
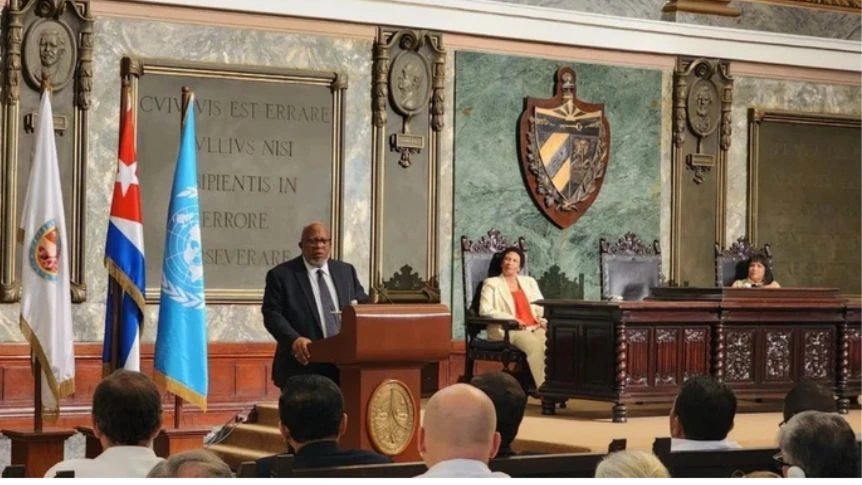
{"x":127,"y":416}
{"x":815,"y":444}
{"x":702,"y":416}
{"x":192,"y":464}
{"x":631,"y":464}
{"x":458,"y":436}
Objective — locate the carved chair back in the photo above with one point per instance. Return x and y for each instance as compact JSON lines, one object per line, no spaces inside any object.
{"x":482,"y":259}
{"x":629,"y":268}
{"x":731,"y":264}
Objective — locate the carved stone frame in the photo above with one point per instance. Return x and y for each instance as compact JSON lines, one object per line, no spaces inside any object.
{"x":711,"y":137}
{"x":74,"y":17}
{"x":134,"y":68}
{"x":394,"y":151}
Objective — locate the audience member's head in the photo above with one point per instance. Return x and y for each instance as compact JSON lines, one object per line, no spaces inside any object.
{"x":311,"y":408}
{"x":459,"y":423}
{"x":703,"y":410}
{"x":509,"y":400}
{"x":808,"y":395}
{"x":192,"y":464}
{"x":127,"y":410}
{"x":631,"y":464}
{"x":760,"y":474}
{"x":815,"y":444}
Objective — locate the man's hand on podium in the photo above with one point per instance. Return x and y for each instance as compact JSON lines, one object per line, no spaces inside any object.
{"x":300,"y":350}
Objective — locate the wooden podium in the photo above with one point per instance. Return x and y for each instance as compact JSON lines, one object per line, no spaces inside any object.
{"x":380,"y":351}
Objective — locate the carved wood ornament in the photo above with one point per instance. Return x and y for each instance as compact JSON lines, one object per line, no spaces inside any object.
{"x":51,"y":39}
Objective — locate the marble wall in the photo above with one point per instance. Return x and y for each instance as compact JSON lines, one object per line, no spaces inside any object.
{"x":116,"y":38}
{"x":764,"y":17}
{"x":489,"y":189}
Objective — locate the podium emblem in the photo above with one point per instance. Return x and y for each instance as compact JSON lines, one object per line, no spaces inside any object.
{"x":391,"y":417}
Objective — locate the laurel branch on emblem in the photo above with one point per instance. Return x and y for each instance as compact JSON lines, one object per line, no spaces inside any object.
{"x":188,"y":300}
{"x":188,"y":192}
{"x":544,"y":185}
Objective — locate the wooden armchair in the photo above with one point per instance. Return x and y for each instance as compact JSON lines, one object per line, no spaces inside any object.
{"x":731,"y":264}
{"x":479,"y":260}
{"x":629,"y":268}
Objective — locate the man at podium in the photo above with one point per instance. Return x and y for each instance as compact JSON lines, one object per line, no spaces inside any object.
{"x":302,"y":302}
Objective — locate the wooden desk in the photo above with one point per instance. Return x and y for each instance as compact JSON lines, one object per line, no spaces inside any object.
{"x":760,"y":342}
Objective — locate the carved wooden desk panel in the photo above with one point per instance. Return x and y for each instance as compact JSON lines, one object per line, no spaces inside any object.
{"x":849,"y":381}
{"x":624,"y":352}
{"x":772,"y":340}
{"x":760,"y":342}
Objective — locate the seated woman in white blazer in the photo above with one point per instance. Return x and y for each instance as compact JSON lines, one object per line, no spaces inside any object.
{"x":510,"y":296}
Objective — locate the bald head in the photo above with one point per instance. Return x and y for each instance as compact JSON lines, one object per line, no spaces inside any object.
{"x":459,"y":422}
{"x":316,"y":243}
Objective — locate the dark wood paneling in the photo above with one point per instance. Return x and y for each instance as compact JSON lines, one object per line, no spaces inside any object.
{"x":238,"y":378}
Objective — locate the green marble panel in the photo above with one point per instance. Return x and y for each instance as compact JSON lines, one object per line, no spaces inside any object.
{"x":489,"y":191}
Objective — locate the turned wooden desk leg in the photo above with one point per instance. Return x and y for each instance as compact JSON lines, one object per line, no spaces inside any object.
{"x":619,"y":411}
{"x":548,"y":406}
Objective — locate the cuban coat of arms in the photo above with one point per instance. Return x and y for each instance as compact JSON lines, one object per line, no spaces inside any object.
{"x":563,"y":146}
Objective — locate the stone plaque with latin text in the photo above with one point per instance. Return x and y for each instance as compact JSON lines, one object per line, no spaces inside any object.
{"x":267,"y":164}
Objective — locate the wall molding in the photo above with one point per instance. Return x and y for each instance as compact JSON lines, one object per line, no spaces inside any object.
{"x":556,"y":26}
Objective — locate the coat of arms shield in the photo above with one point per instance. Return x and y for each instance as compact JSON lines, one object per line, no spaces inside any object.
{"x":564,"y":145}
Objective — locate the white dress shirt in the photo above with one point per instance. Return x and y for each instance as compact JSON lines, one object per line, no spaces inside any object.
{"x":678,"y":444}
{"x":460,"y":468}
{"x":114,"y":462}
{"x":312,"y":277}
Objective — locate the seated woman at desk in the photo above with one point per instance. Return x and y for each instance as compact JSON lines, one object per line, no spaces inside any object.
{"x":759,"y":274}
{"x":510,"y":296}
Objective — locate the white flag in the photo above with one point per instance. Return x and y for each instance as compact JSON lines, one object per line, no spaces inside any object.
{"x":46,"y":303}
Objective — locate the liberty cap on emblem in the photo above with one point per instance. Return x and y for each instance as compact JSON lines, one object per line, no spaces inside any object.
{"x":564,"y":145}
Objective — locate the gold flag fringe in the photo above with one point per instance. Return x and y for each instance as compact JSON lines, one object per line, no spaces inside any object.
{"x":128,"y":286}
{"x":177,"y":388}
{"x":58,"y":389}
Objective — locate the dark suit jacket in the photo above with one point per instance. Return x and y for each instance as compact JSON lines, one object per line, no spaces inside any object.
{"x":323,"y":454}
{"x":289,"y":311}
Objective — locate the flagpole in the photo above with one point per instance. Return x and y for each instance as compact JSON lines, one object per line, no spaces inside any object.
{"x":37,"y":393}
{"x":186,"y":98}
{"x":116,"y":290}
{"x":37,"y":366}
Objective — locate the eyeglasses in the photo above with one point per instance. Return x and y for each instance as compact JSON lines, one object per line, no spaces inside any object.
{"x":778,"y":461}
{"x":315,"y":242}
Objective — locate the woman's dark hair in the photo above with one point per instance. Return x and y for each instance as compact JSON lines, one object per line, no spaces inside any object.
{"x":496,"y":266}
{"x":767,"y":273}
{"x":512,"y":249}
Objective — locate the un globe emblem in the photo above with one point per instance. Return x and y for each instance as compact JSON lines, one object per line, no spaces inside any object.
{"x":183,"y":271}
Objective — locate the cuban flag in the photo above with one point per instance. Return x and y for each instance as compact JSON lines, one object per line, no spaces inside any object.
{"x":181,"y":342}
{"x":124,"y":256}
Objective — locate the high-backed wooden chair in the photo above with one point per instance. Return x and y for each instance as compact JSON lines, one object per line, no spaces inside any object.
{"x":479,"y":260}
{"x":731,"y":264}
{"x":629,"y":268}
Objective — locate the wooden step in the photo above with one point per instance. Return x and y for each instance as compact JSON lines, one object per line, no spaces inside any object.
{"x":234,"y":455}
{"x":267,"y":414}
{"x":256,"y":437}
